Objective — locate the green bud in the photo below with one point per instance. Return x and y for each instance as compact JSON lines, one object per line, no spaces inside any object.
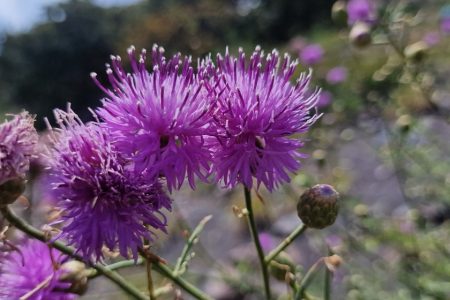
{"x":360,"y":35}
{"x":318,"y":206}
{"x":282,"y":266}
{"x":404,"y":123}
{"x":320,"y":156}
{"x":75,"y":273}
{"x":416,"y":52}
{"x":339,"y":13}
{"x":11,"y":190}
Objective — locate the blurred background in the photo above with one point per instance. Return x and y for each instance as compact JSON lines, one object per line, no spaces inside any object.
{"x":383,"y":139}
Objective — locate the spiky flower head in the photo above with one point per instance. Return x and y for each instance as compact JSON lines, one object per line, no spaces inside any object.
{"x":18,"y":139}
{"x":318,"y":206}
{"x":31,"y":274}
{"x":159,"y":117}
{"x":258,"y":112}
{"x":104,"y":201}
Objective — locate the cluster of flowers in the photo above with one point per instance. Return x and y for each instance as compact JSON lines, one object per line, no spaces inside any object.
{"x":232,"y":120}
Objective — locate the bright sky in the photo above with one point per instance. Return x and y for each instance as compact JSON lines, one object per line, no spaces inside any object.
{"x":21,"y":15}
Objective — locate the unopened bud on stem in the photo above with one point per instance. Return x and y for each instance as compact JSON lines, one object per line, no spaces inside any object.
{"x":416,"y":52}
{"x":318,"y":206}
{"x":339,"y":13}
{"x":75,"y":273}
{"x":360,"y":35}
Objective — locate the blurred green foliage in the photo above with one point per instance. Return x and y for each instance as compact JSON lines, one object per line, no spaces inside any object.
{"x":50,"y":65}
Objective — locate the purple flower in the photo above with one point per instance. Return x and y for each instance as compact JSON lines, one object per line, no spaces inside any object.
{"x":361,"y":11}
{"x":311,"y":54}
{"x":31,"y":273}
{"x":258,"y":110}
{"x":325,"y":99}
{"x":18,"y":139}
{"x":432,"y":38}
{"x":159,"y":118}
{"x":104,"y":201}
{"x":266,"y":240}
{"x":337,"y":75}
{"x":445,"y":25}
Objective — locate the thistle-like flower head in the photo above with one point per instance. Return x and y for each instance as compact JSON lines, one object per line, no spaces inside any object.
{"x":257,"y":113}
{"x":159,"y":118}
{"x":31,"y":273}
{"x":18,"y":139}
{"x":104,"y":201}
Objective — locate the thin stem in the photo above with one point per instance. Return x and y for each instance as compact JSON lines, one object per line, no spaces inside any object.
{"x":285,"y":243}
{"x":192,"y":240}
{"x":118,"y":265}
{"x":189,"y":288}
{"x":36,"y":233}
{"x":327,"y":287}
{"x":255,"y":237}
{"x":151,"y":290}
{"x":307,"y":279}
{"x":328,"y":275}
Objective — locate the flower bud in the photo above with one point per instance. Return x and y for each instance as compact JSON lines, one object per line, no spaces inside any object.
{"x":416,"y":52}
{"x":11,"y":190}
{"x":75,"y":273}
{"x":404,"y":123}
{"x":339,"y":13}
{"x":360,"y":35}
{"x":320,"y":156}
{"x":333,"y":262}
{"x":318,"y":206}
{"x":281,"y":266}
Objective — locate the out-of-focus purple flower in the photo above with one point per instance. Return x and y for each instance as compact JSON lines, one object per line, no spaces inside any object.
{"x":432,"y":38}
{"x":31,"y":273}
{"x":337,"y":75}
{"x":159,"y":118}
{"x":311,"y":54}
{"x":361,"y":11}
{"x":445,"y":25}
{"x":325,"y":99}
{"x":18,"y":139}
{"x":258,"y":110}
{"x":104,"y":201}
{"x":266,"y":240}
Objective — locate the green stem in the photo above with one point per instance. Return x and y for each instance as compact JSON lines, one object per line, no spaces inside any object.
{"x":255,"y":237}
{"x":36,"y":233}
{"x":307,"y":279}
{"x":193,"y":238}
{"x":328,"y":276}
{"x":327,"y":287}
{"x":118,"y":265}
{"x":285,"y":243}
{"x":189,"y":288}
